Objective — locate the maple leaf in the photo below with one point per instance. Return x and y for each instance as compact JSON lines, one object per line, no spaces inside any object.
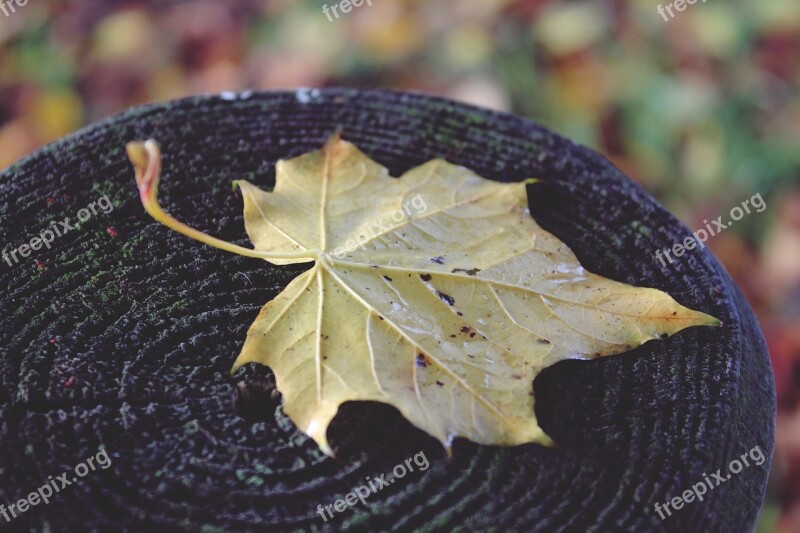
{"x":435,"y":292}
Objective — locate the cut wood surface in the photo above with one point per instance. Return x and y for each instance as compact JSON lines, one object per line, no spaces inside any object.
{"x":122,"y":335}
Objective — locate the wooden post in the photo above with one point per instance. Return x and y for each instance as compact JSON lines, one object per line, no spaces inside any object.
{"x":123,"y":333}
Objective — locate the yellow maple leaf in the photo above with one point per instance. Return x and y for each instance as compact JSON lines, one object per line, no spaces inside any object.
{"x":435,"y":292}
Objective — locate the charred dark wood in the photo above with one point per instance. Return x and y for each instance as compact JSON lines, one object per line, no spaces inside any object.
{"x":124,"y":338}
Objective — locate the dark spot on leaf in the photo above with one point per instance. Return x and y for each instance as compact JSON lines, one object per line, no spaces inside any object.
{"x":387,"y":278}
{"x":472,"y":334}
{"x":439,"y":260}
{"x":543,"y":341}
{"x":439,"y":383}
{"x":470,"y":272}
{"x":465,"y":329}
{"x":459,"y":313}
{"x":449,"y":300}
{"x":421,"y":361}
{"x":425,"y":277}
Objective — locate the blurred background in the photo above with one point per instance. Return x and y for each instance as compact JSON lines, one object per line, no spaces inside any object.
{"x":702,"y":109}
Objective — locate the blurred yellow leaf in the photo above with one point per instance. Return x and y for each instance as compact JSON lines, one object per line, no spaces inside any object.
{"x":566,"y":28}
{"x":55,"y":113}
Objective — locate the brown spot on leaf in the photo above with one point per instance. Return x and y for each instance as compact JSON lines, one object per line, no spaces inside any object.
{"x":470,"y":272}
{"x":449,"y":300}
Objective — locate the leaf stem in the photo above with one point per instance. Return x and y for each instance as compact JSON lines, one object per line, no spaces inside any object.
{"x":146,"y":159}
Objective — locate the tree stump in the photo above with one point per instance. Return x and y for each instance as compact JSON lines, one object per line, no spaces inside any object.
{"x":122,"y":335}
